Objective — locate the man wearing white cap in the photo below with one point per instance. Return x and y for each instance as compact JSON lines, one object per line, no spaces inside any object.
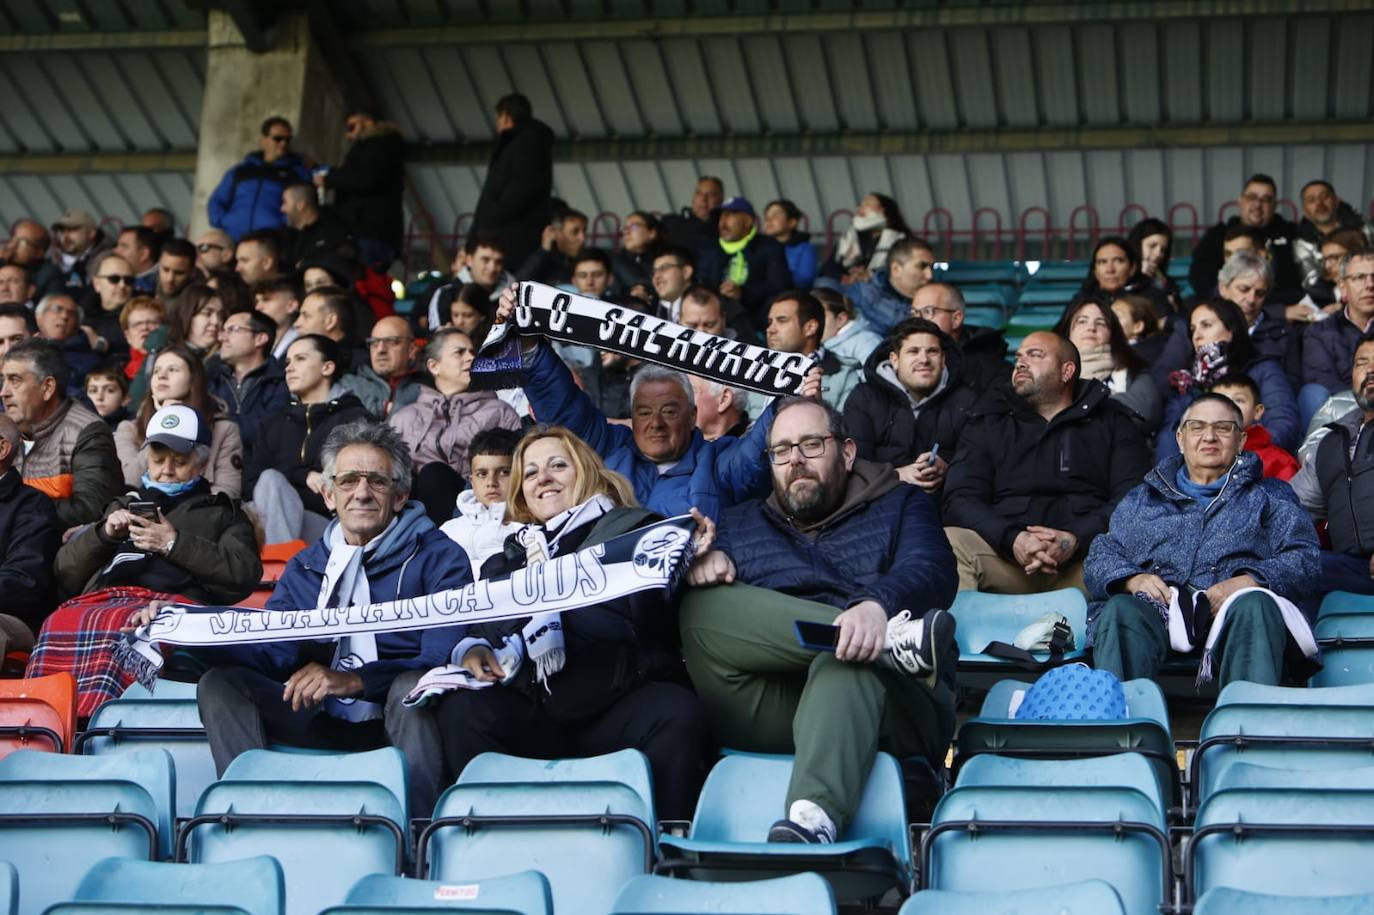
{"x":79,"y":240}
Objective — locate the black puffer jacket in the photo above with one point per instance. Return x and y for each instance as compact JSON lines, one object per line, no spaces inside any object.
{"x":887,"y":428}
{"x":368,"y":186}
{"x":291,"y":442}
{"x":515,"y":200}
{"x":1015,"y":469}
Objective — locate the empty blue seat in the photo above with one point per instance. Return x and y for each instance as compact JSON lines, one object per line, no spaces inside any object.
{"x":328,"y":820}
{"x":798,"y":894}
{"x":1001,"y":272}
{"x":165,"y":723}
{"x":525,"y":893}
{"x":1046,"y":830}
{"x":985,"y":618}
{"x":1274,"y":840}
{"x":985,"y":317}
{"x":1067,"y":272}
{"x":1347,"y":644}
{"x":9,"y":889}
{"x":587,"y":824}
{"x":1225,"y":900}
{"x":60,"y":814}
{"x":253,"y":886}
{"x":162,"y":689}
{"x":746,"y":793}
{"x":1342,"y":602}
{"x":1251,"y":775}
{"x":1087,"y":897}
{"x":1146,"y":731}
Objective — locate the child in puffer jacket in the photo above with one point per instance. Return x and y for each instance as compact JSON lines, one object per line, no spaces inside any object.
{"x":477,"y":525}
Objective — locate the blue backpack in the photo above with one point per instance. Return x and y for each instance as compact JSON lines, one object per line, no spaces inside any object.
{"x":1074,"y":692}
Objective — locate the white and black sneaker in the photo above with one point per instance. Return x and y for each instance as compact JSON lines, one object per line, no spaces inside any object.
{"x":790,"y":831}
{"x":916,"y":646}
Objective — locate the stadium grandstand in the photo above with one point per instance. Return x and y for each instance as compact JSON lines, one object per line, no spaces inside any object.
{"x":679,"y":456}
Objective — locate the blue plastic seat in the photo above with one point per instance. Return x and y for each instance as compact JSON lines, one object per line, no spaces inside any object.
{"x":9,"y":889}
{"x":1343,"y":602}
{"x":1273,"y":840}
{"x":1251,"y":775}
{"x":1065,"y":272}
{"x":60,"y":814}
{"x":1347,"y":644}
{"x":1087,"y":897}
{"x":587,"y":824}
{"x":162,"y":689}
{"x":1146,"y":731}
{"x":985,"y":316}
{"x":798,"y":894}
{"x":1225,"y":900}
{"x":170,"y":724}
{"x":985,"y":618}
{"x":1046,"y":830}
{"x":525,"y":893}
{"x":328,"y":820}
{"x":745,"y":794}
{"x":253,"y":886}
{"x":1000,"y":272}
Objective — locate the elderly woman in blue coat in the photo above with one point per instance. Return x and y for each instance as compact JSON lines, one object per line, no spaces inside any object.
{"x":1205,"y":542}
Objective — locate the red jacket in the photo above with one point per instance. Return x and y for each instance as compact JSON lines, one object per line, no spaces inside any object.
{"x":1278,"y":464}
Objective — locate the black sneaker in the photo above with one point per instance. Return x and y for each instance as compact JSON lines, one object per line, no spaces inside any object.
{"x":789,"y":831}
{"x":918,"y":646}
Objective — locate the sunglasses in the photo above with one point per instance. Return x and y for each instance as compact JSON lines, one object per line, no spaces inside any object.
{"x":117,"y":278}
{"x":279,"y":138}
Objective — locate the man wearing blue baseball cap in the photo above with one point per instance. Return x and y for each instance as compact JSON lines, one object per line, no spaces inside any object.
{"x":745,"y":265}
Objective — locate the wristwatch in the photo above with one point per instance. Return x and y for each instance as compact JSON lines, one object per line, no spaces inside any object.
{"x":167,"y":550}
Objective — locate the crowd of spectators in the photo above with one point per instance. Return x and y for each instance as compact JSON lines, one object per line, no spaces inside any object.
{"x":171,"y":406}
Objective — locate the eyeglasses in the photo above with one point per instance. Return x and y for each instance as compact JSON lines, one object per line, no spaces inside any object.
{"x":206,"y":246}
{"x":811,"y":446}
{"x":279,"y":138}
{"x":1221,"y":428}
{"x":388,"y":341}
{"x":929,"y":311}
{"x":1360,"y":279}
{"x":349,"y":480}
{"x":126,"y":279}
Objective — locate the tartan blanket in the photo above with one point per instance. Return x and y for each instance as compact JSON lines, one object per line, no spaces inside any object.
{"x":79,"y":637}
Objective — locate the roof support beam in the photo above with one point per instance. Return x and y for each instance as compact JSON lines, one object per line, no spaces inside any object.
{"x":105,"y":41}
{"x":87,"y":163}
{"x":918,"y":143}
{"x":952,"y":16}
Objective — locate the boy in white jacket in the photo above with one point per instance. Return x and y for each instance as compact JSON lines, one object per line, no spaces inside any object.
{"x":478,"y":527}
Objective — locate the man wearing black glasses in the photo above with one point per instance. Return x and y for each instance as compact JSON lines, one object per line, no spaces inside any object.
{"x":248,"y":198}
{"x":112,"y":280}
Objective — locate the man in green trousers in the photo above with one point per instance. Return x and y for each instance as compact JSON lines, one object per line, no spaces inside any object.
{"x":841,"y":542}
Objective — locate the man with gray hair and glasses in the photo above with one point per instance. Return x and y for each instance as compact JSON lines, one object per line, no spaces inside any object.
{"x":345,"y":694}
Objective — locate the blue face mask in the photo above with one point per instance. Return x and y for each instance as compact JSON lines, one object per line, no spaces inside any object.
{"x":171,"y":490}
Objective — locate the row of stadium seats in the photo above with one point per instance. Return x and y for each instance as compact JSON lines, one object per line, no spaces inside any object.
{"x":1279,"y":800}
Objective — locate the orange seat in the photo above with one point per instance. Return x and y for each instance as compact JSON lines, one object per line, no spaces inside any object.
{"x":257,"y":600}
{"x":37,"y":713}
{"x":275,"y":556}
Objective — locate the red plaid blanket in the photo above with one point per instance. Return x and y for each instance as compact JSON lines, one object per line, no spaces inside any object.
{"x":79,"y":638}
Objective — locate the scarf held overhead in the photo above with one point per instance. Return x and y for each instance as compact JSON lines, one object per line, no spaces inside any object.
{"x":649,"y":558}
{"x":544,"y":310}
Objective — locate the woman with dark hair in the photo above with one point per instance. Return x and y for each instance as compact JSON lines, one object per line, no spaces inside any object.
{"x":633,"y":262}
{"x":1153,"y":243}
{"x":1106,"y":356}
{"x":196,"y":323}
{"x":471,"y":311}
{"x":780,"y":220}
{"x":1219,"y":345}
{"x":1114,"y":270}
{"x":233,"y":291}
{"x":877,"y":226}
{"x":178,"y":377}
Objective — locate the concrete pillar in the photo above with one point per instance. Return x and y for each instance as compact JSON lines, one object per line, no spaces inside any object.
{"x":242,"y":89}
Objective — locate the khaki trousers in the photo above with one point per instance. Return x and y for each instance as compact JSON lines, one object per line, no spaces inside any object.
{"x":982,"y":568}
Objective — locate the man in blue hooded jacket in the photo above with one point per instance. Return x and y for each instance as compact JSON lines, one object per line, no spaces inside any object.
{"x":346,"y":694}
{"x":248,"y":197}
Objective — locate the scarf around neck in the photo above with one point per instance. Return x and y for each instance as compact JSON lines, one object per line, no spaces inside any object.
{"x":737,"y":271}
{"x":1199,"y":492}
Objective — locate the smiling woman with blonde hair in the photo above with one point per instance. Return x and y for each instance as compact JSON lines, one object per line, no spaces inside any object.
{"x":604,"y":678}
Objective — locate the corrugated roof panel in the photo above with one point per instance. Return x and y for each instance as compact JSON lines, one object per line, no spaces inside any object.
{"x":1015,"y":74}
{"x":1143,"y":170}
{"x":1139,"y":66}
{"x":849,"y":65}
{"x":987,"y":175}
{"x":760,"y":183}
{"x":112,"y":93}
{"x":724,"y":169}
{"x":171,"y":88}
{"x":1055,"y":66}
{"x":734,"y":95}
{"x":1106,"y":172}
{"x":691,"y":86}
{"x":29,"y":16}
{"x":649,"y":80}
{"x":107,"y":197}
{"x":795,"y":182}
{"x":1066,"y":186}
{"x":973,"y":82}
{"x":526,"y":66}
{"x":1351,"y":74}
{"x":570,"y":183}
{"x":173,"y":190}
{"x":1268,"y":160}
{"x":58,"y":128}
{"x":835,"y":187}
{"x":1097,"y":74}
{"x":933,"y":85}
{"x":486,"y":67}
{"x":614,"y":92}
{"x":1225,"y":174}
{"x":771,"y":83}
{"x":892,"y":83}
{"x":680,"y":177}
{"x":911,"y":188}
{"x":871,"y":175}
{"x":611,"y":189}
{"x":80,"y":97}
{"x":463,"y":108}
{"x":1186,"y":174}
{"x":950,"y":179}
{"x":1311,"y":42}
{"x":1225,"y":69}
{"x":577,"y":100}
{"x":1345,"y":169}
{"x":1267,"y":49}
{"x":813,"y":86}
{"x":647,"y":187}
{"x":1182,"y":76}
{"x":1026,"y":179}
{"x":1304,"y":164}
{"x":428,"y":117}
{"x":393,"y":102}
{"x":440,"y":194}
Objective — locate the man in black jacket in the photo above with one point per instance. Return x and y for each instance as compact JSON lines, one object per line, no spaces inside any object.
{"x":516,"y":199}
{"x":912,"y":402}
{"x":29,"y":538}
{"x":694,"y":228}
{"x":559,"y":247}
{"x":1040,"y":467}
{"x":368,"y":187}
{"x":1258,"y":204}
{"x":984,"y":348}
{"x":744,"y":264}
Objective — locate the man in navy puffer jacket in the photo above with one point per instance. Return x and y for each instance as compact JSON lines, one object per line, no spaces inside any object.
{"x":248,"y":197}
{"x":841,"y":542}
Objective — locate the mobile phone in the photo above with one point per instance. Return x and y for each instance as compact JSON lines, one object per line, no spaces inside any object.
{"x":817,"y":636}
{"x":934,"y":453}
{"x":144,"y":510}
